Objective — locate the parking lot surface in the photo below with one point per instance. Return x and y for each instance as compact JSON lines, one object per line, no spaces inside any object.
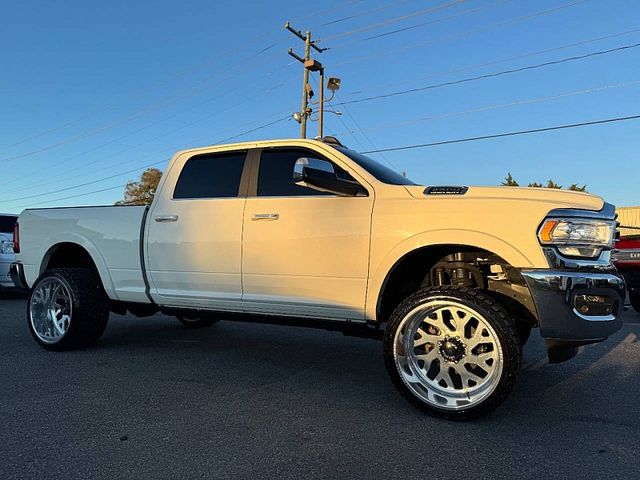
{"x":157,"y":400}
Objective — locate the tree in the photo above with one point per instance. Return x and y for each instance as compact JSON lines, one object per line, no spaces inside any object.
{"x":577,"y":188}
{"x":509,"y":181}
{"x":142,"y":192}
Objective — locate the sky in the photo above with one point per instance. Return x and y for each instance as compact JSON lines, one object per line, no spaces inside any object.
{"x":92,"y":93}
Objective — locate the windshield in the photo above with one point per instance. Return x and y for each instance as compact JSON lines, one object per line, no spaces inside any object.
{"x":375,"y":168}
{"x":7,"y":223}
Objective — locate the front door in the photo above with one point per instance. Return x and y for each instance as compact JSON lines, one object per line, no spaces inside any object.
{"x":305,"y":251}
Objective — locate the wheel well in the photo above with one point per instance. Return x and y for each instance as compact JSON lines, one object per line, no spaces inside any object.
{"x":456,"y":265}
{"x":68,"y":255}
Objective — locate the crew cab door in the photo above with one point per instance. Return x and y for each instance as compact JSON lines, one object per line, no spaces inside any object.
{"x":194,"y":232}
{"x":305,"y":251}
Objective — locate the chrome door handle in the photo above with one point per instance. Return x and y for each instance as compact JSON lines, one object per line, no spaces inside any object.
{"x":265,"y":216}
{"x":166,"y":218}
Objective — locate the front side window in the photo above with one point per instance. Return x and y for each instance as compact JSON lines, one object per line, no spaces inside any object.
{"x":214,"y":175}
{"x":278,"y":169}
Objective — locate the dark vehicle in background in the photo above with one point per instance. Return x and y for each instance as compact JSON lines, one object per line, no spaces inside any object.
{"x":7,"y":257}
{"x":627,"y":261}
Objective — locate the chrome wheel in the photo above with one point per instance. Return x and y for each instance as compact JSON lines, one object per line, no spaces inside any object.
{"x":50,"y":309}
{"x":448,"y":354}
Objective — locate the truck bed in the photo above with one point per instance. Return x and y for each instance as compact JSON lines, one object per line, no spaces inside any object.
{"x":110,"y":234}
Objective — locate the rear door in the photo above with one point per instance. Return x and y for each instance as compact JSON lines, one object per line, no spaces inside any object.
{"x":194,"y":233}
{"x":305,"y":252}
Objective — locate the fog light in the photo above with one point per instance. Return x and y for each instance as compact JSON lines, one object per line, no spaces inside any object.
{"x":593,"y":305}
{"x":590,"y":298}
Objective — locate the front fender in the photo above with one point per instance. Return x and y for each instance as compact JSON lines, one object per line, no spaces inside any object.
{"x":470,"y":238}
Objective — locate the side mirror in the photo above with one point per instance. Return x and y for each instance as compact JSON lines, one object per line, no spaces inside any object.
{"x":320,"y":175}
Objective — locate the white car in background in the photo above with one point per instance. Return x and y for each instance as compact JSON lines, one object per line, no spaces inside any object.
{"x":7,"y":257}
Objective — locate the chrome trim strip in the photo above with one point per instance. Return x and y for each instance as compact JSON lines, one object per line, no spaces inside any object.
{"x":559,"y":261}
{"x":607,"y":212}
{"x":627,"y":256}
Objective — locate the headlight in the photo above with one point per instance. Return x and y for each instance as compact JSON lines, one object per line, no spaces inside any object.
{"x":6,"y":247}
{"x":578,"y":237}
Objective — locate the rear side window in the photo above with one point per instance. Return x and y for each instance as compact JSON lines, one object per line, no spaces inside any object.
{"x":211,"y":176}
{"x":6,"y":223}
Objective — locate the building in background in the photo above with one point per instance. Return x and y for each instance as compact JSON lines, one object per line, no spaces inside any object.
{"x":629,"y":217}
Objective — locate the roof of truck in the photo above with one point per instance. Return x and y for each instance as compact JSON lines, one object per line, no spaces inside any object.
{"x":331,"y":141}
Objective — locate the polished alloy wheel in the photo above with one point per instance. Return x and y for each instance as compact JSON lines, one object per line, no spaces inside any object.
{"x":448,"y":355}
{"x":50,"y":310}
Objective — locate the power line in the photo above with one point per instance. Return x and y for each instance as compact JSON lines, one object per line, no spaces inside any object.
{"x":137,"y":169}
{"x":364,"y":134}
{"x":130,"y":171}
{"x":384,"y":23}
{"x":492,"y":75}
{"x":424,"y":145}
{"x":124,"y":119}
{"x":164,"y":151}
{"x":75,"y":196}
{"x":84,"y":153}
{"x":461,"y":34}
{"x":184,"y":73}
{"x":506,"y":134}
{"x":153,"y":85}
{"x":164,"y":134}
{"x":526,"y":101}
{"x":509,"y":59}
{"x":362,"y":14}
{"x":325,"y":10}
{"x":423,"y":24}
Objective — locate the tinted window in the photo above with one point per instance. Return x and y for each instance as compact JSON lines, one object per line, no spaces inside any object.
{"x":382,"y":173}
{"x":211,"y":176}
{"x":7,"y":223}
{"x":275,"y":178}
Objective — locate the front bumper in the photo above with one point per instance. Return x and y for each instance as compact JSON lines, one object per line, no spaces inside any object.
{"x":575,"y":307}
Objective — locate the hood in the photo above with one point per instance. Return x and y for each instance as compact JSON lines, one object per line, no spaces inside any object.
{"x":559,"y":198}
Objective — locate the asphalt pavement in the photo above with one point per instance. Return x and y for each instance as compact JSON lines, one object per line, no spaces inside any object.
{"x":154,"y":399}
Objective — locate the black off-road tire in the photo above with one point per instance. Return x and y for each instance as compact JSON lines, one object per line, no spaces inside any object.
{"x":90,"y":313}
{"x":506,"y":331}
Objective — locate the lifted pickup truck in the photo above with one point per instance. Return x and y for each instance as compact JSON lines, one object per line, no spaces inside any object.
{"x":308,"y":232}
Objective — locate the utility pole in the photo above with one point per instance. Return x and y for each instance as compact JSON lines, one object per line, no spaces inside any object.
{"x":310,"y":65}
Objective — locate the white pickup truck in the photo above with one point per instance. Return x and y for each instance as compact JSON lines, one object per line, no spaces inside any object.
{"x":308,"y":232}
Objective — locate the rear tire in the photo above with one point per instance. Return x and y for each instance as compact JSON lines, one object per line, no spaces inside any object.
{"x":452,"y":351}
{"x":67,"y":309}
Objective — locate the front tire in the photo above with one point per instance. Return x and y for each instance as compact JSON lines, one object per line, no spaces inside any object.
{"x":67,"y":309}
{"x":452,"y":351}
